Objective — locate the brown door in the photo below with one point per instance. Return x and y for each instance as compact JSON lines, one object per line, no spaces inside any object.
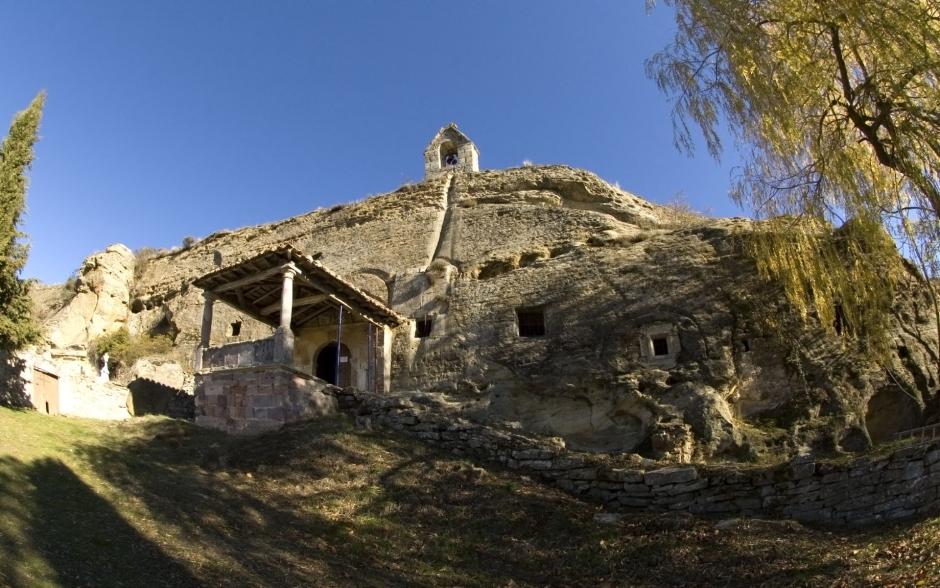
{"x":45,"y":392}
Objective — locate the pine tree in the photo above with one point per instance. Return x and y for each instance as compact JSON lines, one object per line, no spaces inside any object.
{"x":17,"y":327}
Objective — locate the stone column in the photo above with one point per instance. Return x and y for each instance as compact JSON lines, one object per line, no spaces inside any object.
{"x":206,"y":331}
{"x":384,"y":362}
{"x":284,"y":337}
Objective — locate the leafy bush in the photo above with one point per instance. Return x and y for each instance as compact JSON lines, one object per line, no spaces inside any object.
{"x":124,"y":349}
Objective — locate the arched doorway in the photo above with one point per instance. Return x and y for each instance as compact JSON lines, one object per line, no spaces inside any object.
{"x":325,"y":364}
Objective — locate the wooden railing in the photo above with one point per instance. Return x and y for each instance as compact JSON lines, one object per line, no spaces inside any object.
{"x":920,"y":434}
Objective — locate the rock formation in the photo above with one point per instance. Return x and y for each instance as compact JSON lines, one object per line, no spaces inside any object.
{"x":649,"y":337}
{"x":99,"y":303}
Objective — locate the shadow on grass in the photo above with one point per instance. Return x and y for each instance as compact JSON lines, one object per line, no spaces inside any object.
{"x":70,"y":535}
{"x":321,"y":504}
{"x":242,"y":527}
{"x":12,"y":386}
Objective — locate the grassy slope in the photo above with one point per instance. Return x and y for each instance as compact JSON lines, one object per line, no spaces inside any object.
{"x":160,"y":502}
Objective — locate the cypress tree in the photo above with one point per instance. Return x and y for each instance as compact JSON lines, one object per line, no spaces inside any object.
{"x":17,"y":327}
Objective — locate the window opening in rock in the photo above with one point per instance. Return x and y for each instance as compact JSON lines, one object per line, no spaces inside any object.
{"x":531,"y":322}
{"x":745,"y":345}
{"x":839,"y":322}
{"x":449,"y":156}
{"x":660,"y":346}
{"x":423,"y":327}
{"x":236,"y":329}
{"x":166,"y":328}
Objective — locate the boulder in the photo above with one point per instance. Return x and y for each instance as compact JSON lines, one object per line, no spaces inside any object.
{"x":707,"y":412}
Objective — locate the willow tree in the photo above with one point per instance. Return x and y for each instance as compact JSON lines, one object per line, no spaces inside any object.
{"x":835,"y":105}
{"x":16,"y":155}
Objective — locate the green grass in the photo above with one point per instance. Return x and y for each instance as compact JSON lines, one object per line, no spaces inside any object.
{"x":158,"y":502}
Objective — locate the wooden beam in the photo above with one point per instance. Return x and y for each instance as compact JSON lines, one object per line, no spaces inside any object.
{"x":248,"y":309}
{"x":264,"y":290}
{"x":305,"y":301}
{"x":254,"y":278}
{"x":304,"y":280}
{"x":312,"y":313}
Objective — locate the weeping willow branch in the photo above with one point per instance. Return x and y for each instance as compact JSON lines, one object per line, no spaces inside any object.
{"x":843,"y":278}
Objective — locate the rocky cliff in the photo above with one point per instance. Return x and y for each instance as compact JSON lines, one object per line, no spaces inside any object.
{"x":650,"y":343}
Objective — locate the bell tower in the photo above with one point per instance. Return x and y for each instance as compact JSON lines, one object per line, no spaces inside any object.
{"x":450,"y":150}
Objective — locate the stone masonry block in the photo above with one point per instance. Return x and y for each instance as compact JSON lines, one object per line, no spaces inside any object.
{"x":670,"y":476}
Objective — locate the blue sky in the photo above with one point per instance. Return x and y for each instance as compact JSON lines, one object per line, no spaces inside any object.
{"x":168,"y":119}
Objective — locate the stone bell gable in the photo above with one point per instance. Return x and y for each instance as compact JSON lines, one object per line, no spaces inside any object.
{"x":450,"y":149}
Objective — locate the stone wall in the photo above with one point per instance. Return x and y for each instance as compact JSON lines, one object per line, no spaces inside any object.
{"x":260,"y":398}
{"x":864,"y":490}
{"x":78,"y":392}
{"x":150,"y":397}
{"x":243,"y":354}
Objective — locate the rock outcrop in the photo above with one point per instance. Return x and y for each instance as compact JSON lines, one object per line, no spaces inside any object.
{"x":100,"y":300}
{"x":646,"y":337}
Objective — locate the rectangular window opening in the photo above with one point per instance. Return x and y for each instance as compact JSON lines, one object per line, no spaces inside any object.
{"x":531,"y":322}
{"x":660,"y":346}
{"x":423,"y":327}
{"x":236,"y":329}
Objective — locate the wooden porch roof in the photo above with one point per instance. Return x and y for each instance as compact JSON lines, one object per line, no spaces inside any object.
{"x":254,"y":287}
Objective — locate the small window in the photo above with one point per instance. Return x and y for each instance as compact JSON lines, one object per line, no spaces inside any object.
{"x":531,"y":322}
{"x":839,"y":322}
{"x":745,"y":345}
{"x":423,"y":327}
{"x":236,"y":329}
{"x":660,"y":346}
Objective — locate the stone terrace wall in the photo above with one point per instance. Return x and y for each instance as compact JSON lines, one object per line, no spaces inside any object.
{"x":261,"y":398}
{"x":242,"y":354}
{"x":866,"y":490}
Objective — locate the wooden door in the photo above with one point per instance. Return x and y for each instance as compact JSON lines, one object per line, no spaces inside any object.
{"x":45,"y":392}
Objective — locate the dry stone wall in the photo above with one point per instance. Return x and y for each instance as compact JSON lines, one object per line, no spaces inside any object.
{"x":862,"y":491}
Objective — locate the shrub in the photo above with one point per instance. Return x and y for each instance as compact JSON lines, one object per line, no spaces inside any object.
{"x":680,"y":214}
{"x":143,"y":257}
{"x":124,"y":349}
{"x":71,"y":283}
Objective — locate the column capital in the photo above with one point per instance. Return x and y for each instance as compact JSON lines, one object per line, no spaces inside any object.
{"x":289,"y":271}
